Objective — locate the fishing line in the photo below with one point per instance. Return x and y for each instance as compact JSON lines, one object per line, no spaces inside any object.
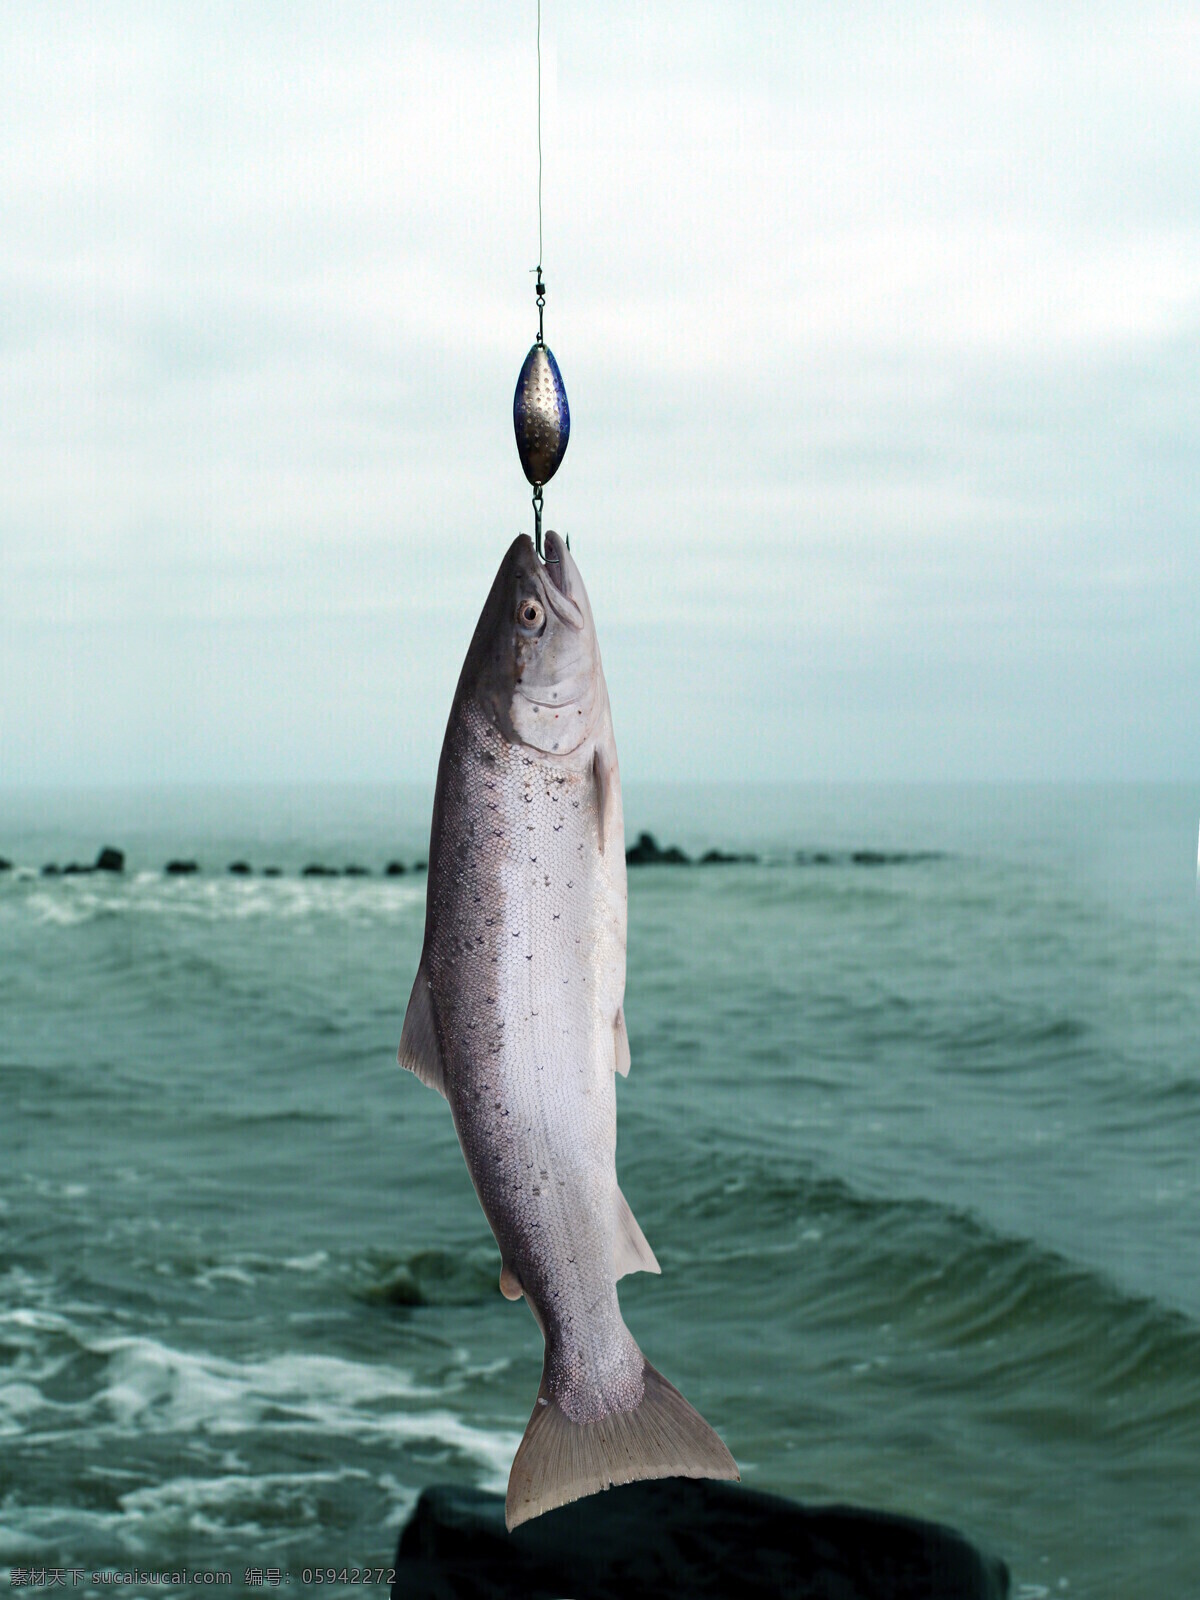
{"x":541,"y":415}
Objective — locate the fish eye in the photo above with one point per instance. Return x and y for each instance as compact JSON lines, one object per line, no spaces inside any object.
{"x":530,"y":615}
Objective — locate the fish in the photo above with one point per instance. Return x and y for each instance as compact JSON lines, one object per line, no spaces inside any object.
{"x":517,"y":1018}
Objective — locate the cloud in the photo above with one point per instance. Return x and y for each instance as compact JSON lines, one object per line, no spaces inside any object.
{"x":879,"y":333}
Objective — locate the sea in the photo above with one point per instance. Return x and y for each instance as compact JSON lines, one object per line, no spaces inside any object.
{"x":913,"y":1125}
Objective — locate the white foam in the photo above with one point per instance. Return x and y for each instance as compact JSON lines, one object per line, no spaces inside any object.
{"x":18,"y":1397}
{"x":227,"y":1274}
{"x":53,"y":1528}
{"x":48,"y":909}
{"x":494,"y":1450}
{"x":157,"y":1389}
{"x":402,"y":1497}
{"x":17,"y":1402}
{"x":239,"y":1505}
{"x":310,"y":1263}
{"x":39,"y":1321}
{"x":72,"y":901}
{"x":146,"y":1388}
{"x":152,"y":1388}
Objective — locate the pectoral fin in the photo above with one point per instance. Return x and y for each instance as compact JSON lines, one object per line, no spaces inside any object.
{"x":621,"y":1043}
{"x":602,"y":778}
{"x":419,"y":1050}
{"x":631,"y":1252}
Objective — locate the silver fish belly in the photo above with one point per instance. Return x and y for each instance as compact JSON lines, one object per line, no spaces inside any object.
{"x":516,"y":1017}
{"x":529,"y":930}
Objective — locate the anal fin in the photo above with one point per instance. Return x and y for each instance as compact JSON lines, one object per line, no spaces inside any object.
{"x":419,"y":1050}
{"x":621,"y":1042}
{"x":631,"y":1250}
{"x":510,"y":1284}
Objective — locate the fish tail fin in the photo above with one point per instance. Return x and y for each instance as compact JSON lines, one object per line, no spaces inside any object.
{"x":559,"y":1460}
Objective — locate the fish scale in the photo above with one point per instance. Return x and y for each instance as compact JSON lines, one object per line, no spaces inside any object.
{"x":533,"y":1093}
{"x":516,"y":1017}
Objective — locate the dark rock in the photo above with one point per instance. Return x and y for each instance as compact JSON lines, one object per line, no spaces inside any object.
{"x":5,"y":864}
{"x":76,"y":869}
{"x":315,"y":870}
{"x":272,"y":872}
{"x":430,"y":1278}
{"x":420,"y":866}
{"x":110,"y":860}
{"x":394,"y":869}
{"x":892,"y":858}
{"x":681,"y":1539}
{"x":864,"y":858}
{"x":181,"y":869}
{"x":715,"y":858}
{"x":357,"y":872}
{"x":646,"y":853}
{"x":646,"y":850}
{"x":240,"y":869}
{"x":50,"y":870}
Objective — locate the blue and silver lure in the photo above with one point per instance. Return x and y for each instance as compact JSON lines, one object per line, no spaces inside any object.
{"x":541,"y":416}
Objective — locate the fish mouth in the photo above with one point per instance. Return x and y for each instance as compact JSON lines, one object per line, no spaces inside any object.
{"x":556,"y":575}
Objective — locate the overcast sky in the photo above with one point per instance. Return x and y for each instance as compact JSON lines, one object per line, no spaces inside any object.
{"x":880,"y":327}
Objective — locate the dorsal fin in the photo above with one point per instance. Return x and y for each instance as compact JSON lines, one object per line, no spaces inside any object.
{"x":419,"y":1050}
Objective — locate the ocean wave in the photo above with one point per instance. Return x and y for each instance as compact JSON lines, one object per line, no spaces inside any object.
{"x":428,"y":1278}
{"x":150,"y":1387}
{"x":75,"y":902}
{"x":220,"y":1511}
{"x":235,"y":1505}
{"x":158,"y":1446}
{"x":65,"y":1379}
{"x":80,"y":900}
{"x":405,"y":1280}
{"x":1034,"y":1327}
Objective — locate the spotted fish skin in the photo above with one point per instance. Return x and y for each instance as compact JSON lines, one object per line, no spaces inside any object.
{"x":516,"y":1017}
{"x":526,"y":960}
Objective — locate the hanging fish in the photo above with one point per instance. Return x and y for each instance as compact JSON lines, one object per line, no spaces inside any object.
{"x":517,"y":1017}
{"x":541,"y":416}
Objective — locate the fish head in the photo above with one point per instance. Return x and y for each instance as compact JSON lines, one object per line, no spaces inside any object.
{"x":539,"y":674}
